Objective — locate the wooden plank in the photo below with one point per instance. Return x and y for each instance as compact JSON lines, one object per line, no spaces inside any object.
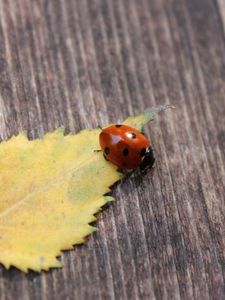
{"x":85,"y":63}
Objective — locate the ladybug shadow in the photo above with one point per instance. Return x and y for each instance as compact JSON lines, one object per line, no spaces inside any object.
{"x":137,"y":176}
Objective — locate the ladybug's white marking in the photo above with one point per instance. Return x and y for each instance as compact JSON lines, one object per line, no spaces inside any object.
{"x":131,"y":135}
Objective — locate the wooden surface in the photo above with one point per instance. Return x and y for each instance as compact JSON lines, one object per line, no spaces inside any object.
{"x":83,"y":63}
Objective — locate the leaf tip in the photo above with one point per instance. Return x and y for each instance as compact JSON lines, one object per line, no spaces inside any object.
{"x":146,"y":116}
{"x":93,"y":229}
{"x":109,"y":199}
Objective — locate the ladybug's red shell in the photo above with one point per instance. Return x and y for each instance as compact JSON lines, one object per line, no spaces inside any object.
{"x":124,"y":146}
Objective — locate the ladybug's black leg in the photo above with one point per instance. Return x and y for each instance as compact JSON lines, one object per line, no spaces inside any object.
{"x":99,"y":150}
{"x":148,"y":160}
{"x":105,"y":157}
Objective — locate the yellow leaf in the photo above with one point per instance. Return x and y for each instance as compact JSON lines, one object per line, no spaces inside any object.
{"x":50,"y":190}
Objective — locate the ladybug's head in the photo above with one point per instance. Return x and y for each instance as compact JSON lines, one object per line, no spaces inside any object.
{"x":148,"y":159}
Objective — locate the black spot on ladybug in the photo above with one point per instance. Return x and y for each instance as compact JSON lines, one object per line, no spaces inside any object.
{"x":124,"y":164}
{"x":125,"y":152}
{"x":143,"y":151}
{"x":106,"y":150}
{"x":118,"y":125}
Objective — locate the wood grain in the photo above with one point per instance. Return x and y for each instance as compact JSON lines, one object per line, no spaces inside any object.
{"x":82,"y":63}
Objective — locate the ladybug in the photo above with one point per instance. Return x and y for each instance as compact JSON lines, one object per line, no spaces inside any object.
{"x":126,"y":147}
